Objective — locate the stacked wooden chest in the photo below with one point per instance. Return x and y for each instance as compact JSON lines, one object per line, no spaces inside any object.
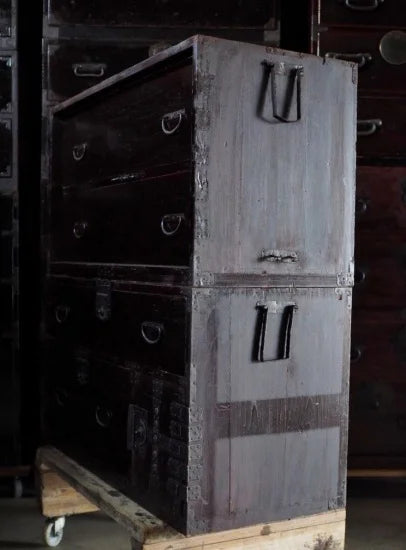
{"x":372,"y":33}
{"x":198,"y":292}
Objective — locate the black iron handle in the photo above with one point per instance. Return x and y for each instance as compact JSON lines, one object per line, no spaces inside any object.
{"x":360,"y":58}
{"x":361,"y":205}
{"x":103,"y":416}
{"x":283,"y":352}
{"x":356,"y":354}
{"x":79,"y":151}
{"x":278,"y":256}
{"x":368,"y":6}
{"x":171,"y":122}
{"x":294,"y":76}
{"x":171,"y":223}
{"x":151,"y":332}
{"x":368,"y":127}
{"x":61,"y":397}
{"x":62,"y":313}
{"x":359,"y":276}
{"x":86,"y":70}
{"x":79,"y":229}
{"x":102,"y":313}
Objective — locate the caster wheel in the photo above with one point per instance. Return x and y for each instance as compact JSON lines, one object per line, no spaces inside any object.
{"x":18,"y":487}
{"x":53,"y":531}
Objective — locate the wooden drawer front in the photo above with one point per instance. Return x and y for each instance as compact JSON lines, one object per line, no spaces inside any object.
{"x":6,"y":212}
{"x":379,"y":281}
{"x":146,"y":328}
{"x":6,"y":256}
{"x":117,"y":138}
{"x":381,"y":127}
{"x":380,"y":210}
{"x":6,"y":148}
{"x":5,"y":17}
{"x":74,"y":66}
{"x":378,"y":345}
{"x":375,"y":74}
{"x":172,"y":13}
{"x":378,"y":13}
{"x":137,"y":222}
{"x":6,"y":309}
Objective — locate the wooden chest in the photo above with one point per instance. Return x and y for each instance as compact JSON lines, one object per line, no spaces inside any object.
{"x":198,"y":292}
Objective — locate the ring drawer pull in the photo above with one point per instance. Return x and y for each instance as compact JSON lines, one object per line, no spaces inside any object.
{"x":79,"y":229}
{"x":370,"y":6}
{"x":171,"y":223}
{"x":356,"y":353}
{"x":172,"y":121}
{"x":368,"y":127}
{"x":103,"y":416}
{"x":92,"y":70}
{"x":61,"y":397}
{"x":79,"y":151}
{"x":103,"y":313}
{"x":151,"y":332}
{"x":61,"y":313}
{"x":361,"y":206}
{"x":359,"y":276}
{"x":360,"y":58}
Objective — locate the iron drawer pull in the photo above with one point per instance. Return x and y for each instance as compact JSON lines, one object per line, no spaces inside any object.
{"x":361,"y":206}
{"x":373,"y":5}
{"x":174,"y":118}
{"x":79,"y":229}
{"x":171,"y":223}
{"x":151,"y":332}
{"x":61,"y":313}
{"x":278,"y":256}
{"x":61,"y":397}
{"x":356,"y":353}
{"x":359,"y":276}
{"x":93,"y":70}
{"x":103,"y":416}
{"x":102,"y":313}
{"x":360,"y":58}
{"x":79,"y":151}
{"x":368,"y":127}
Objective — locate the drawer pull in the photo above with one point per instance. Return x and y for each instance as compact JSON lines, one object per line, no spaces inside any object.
{"x":92,"y":70}
{"x":79,"y":151}
{"x":61,"y":397}
{"x":361,"y":206}
{"x":79,"y":229}
{"x":393,"y":47}
{"x":61,"y":313}
{"x":366,"y":6}
{"x":171,"y":223}
{"x":356,"y":353}
{"x":151,"y":332}
{"x":359,"y":276}
{"x":172,"y":121}
{"x":360,"y":58}
{"x":103,"y":416}
{"x":102,"y":313}
{"x":278,"y":256}
{"x":368,"y":127}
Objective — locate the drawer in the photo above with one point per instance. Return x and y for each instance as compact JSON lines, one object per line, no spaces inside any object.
{"x":75,"y":65}
{"x":6,"y":256}
{"x":146,"y":328}
{"x":6,"y":148}
{"x":379,"y":281}
{"x":381,"y":127}
{"x":377,"y":419}
{"x":165,"y":13}
{"x":380,"y":210}
{"x":6,"y":309}
{"x":378,"y":13}
{"x":6,"y":9}
{"x":6,"y":212}
{"x":378,"y":345}
{"x":145,"y":222}
{"x":6,"y":83}
{"x":122,"y":136}
{"x":375,"y":74}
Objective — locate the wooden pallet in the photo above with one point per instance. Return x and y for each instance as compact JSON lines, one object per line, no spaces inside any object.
{"x":67,"y":488}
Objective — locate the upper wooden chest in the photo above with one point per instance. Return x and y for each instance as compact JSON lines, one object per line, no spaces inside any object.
{"x":172,"y":163}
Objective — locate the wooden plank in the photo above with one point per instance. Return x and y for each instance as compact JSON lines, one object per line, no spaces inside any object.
{"x":58,"y":498}
{"x":376,"y":473}
{"x":141,"y":524}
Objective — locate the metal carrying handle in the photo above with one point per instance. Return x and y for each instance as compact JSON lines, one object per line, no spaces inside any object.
{"x":373,"y":5}
{"x":176,"y":117}
{"x":61,"y":313}
{"x":79,"y":151}
{"x":278,"y":256}
{"x":151,"y":332}
{"x":295,"y":75}
{"x":170,"y":223}
{"x":92,"y":70}
{"x":284,"y":333}
{"x":79,"y":229}
{"x":368,"y":127}
{"x":103,"y":416}
{"x":360,"y":58}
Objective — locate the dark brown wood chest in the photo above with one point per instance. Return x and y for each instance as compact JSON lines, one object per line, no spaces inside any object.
{"x":198,"y":290}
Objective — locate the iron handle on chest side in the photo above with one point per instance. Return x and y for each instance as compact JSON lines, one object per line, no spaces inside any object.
{"x":281,"y":327}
